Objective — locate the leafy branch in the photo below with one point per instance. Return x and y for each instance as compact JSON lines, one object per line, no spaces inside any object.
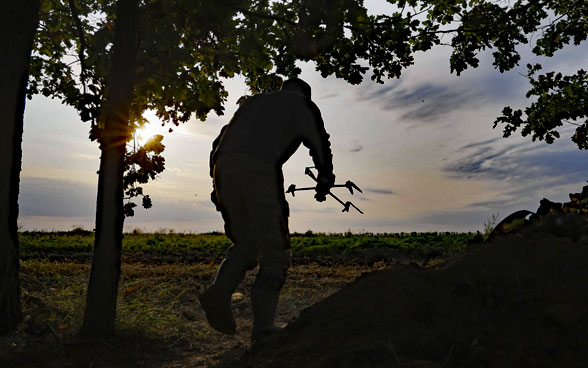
{"x":141,"y":165}
{"x":560,"y":98}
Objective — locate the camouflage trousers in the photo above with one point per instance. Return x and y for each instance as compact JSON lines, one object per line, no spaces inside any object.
{"x":250,"y":194}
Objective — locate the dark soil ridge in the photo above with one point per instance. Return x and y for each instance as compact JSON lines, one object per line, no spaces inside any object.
{"x":519,"y":300}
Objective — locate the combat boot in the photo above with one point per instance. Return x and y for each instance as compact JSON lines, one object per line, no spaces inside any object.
{"x":264,"y":303}
{"x":216,"y":303}
{"x":216,"y":300}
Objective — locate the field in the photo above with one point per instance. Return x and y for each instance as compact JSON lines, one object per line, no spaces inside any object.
{"x":171,"y":246}
{"x":160,"y":321}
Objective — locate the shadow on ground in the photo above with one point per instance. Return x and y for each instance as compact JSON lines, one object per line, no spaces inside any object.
{"x":127,"y":349}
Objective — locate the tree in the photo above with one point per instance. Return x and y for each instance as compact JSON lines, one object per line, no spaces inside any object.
{"x":100,"y":309}
{"x":19,"y":20}
{"x":502,"y":26}
{"x":102,"y":92}
{"x":72,"y":29}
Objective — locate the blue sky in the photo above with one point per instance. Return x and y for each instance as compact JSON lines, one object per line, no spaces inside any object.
{"x":422,"y":147}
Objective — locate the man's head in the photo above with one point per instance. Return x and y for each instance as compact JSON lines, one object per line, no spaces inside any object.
{"x":297,"y":85}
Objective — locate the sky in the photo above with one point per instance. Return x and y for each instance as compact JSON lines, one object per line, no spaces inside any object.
{"x":422,"y":149}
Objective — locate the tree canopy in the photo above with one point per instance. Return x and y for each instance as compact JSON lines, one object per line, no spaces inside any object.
{"x":189,"y":47}
{"x":551,"y":25}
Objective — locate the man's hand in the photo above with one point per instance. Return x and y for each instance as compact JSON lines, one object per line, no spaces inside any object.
{"x":214,"y":199}
{"x":323,"y":184}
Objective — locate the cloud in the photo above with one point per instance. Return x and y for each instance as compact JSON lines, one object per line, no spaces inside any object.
{"x":84,"y":157}
{"x":44,"y":197}
{"x":483,"y":144}
{"x":424,"y":101}
{"x":459,"y":219}
{"x":320,"y":209}
{"x":494,"y":204}
{"x":327,"y":96}
{"x":55,"y":223}
{"x":558,"y":163}
{"x":56,"y":197}
{"x":174,"y":210}
{"x":522,"y":173}
{"x":380,"y":191}
{"x":426,"y":95}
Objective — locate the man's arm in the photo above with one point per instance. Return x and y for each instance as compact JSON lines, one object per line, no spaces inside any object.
{"x":215,"y":144}
{"x":212,"y":160}
{"x":316,"y":139}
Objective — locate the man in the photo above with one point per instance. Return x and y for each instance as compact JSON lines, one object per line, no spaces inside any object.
{"x":246,"y":166}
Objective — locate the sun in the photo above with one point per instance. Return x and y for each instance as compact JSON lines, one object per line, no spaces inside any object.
{"x":147,"y":131}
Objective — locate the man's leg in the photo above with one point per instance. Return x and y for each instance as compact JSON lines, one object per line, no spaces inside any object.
{"x":265,"y":293}
{"x":231,"y":189}
{"x":274,"y":263}
{"x":216,"y":300}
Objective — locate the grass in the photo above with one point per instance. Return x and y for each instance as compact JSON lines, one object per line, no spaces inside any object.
{"x":340,"y":243}
{"x":162,"y":293}
{"x":158,"y":315}
{"x":303,"y":244}
{"x":158,"y":301}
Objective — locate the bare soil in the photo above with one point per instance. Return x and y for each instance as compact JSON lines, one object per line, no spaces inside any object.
{"x":519,"y":300}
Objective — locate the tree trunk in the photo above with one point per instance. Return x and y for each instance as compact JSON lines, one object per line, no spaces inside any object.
{"x":100,"y":312}
{"x":18,"y":22}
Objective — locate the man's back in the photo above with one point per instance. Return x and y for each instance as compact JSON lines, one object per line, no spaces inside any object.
{"x":271,"y":126}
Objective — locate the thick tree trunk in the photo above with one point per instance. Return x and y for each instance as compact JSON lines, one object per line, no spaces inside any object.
{"x":18,"y":22}
{"x":100,"y":312}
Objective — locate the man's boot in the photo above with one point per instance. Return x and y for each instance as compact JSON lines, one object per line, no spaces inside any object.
{"x":264,"y":303}
{"x":216,"y":300}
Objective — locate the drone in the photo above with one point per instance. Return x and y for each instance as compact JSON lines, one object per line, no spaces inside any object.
{"x":292,"y":189}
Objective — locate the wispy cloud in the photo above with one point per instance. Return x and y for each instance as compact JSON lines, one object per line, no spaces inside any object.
{"x":84,"y":157}
{"x":64,"y":198}
{"x":327,"y":96}
{"x":526,"y":172}
{"x":459,"y":218}
{"x":483,"y":144}
{"x":430,"y":102}
{"x":380,"y":191}
{"x":559,"y":163}
{"x":56,"y":197}
{"x":425,"y":101}
{"x":425,"y":95}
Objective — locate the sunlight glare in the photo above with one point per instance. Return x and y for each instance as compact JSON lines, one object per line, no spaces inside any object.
{"x":149,"y":130}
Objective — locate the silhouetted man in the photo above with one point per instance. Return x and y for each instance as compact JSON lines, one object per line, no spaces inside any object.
{"x":246,"y":167}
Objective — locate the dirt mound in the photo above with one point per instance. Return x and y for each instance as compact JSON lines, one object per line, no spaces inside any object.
{"x":519,"y":300}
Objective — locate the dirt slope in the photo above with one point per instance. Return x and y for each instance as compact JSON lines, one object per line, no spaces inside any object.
{"x":519,"y":300}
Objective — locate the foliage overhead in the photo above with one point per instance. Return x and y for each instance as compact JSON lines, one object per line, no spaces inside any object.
{"x":190,"y":47}
{"x":502,"y":27}
{"x":559,"y":99}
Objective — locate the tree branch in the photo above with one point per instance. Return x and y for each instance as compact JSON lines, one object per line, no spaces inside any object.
{"x":569,"y":122}
{"x":80,"y":29}
{"x":285,"y":31}
{"x":257,"y":15}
